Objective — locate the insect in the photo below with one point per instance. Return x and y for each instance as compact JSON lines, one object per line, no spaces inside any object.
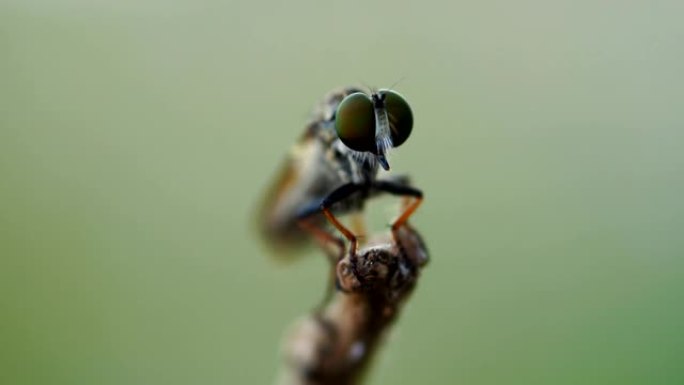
{"x":336,"y":343}
{"x":333,"y":168}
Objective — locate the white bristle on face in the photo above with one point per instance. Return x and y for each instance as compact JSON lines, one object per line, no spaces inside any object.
{"x":362,"y":157}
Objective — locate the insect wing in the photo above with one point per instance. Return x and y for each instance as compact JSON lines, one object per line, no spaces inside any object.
{"x":301,"y":183}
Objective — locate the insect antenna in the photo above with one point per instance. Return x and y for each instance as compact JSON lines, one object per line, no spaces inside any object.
{"x":401,"y":79}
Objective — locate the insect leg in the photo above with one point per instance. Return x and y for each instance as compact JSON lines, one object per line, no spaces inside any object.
{"x":397,"y":179}
{"x":401,"y":190}
{"x":338,"y":195}
{"x":324,"y":239}
{"x":307,"y":219}
{"x":335,"y":254}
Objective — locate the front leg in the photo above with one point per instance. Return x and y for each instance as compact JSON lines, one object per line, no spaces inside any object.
{"x":405,"y":191}
{"x":341,"y":193}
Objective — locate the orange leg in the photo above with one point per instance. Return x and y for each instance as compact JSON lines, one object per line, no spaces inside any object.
{"x":324,"y":239}
{"x":339,"y":226}
{"x":410,"y":209}
{"x":404,"y":191}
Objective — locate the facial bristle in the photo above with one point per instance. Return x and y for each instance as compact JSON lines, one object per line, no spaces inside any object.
{"x":362,"y":157}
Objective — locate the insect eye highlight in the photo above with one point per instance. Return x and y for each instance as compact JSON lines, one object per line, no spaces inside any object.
{"x":355,"y":122}
{"x":400,"y":116}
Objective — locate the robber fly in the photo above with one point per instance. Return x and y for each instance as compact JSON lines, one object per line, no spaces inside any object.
{"x":333,"y":167}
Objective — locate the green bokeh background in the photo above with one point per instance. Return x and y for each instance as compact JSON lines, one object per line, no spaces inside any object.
{"x":136,"y":138}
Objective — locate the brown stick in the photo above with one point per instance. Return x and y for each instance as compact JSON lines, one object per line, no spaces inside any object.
{"x":335,"y":344}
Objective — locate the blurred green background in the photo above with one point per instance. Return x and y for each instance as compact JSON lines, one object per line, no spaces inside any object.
{"x":136,"y":138}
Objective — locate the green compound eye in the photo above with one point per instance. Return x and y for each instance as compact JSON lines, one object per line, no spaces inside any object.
{"x":355,"y":122}
{"x":400,"y":116}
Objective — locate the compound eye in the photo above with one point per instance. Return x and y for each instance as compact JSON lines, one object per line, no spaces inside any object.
{"x":400,"y":116}
{"x":355,"y":122}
